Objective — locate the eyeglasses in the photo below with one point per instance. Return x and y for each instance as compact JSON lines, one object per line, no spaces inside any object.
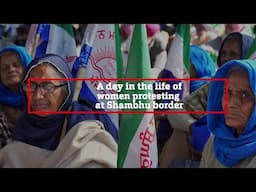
{"x":45,"y":87}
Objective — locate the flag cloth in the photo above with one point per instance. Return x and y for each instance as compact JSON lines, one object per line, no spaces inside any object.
{"x":178,"y":64}
{"x":52,"y":38}
{"x":102,"y":64}
{"x":137,"y":147}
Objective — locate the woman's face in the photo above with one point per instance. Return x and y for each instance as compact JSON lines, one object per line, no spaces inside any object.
{"x":11,"y":70}
{"x":230,"y":50}
{"x":241,"y":101}
{"x":40,"y":98}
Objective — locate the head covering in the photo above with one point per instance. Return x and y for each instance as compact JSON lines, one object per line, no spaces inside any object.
{"x":203,"y":64}
{"x":7,"y":96}
{"x":246,"y":42}
{"x":152,"y":29}
{"x":126,"y":30}
{"x":44,"y":132}
{"x":228,"y":149}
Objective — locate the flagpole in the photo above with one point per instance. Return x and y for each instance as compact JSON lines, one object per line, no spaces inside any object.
{"x":35,"y":44}
{"x":90,"y":34}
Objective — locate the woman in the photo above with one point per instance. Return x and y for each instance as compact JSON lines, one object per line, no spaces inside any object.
{"x":13,"y":63}
{"x":234,"y":46}
{"x":43,"y":138}
{"x":233,"y":139}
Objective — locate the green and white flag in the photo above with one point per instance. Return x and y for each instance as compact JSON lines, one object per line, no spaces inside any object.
{"x":178,"y":64}
{"x":137,"y":147}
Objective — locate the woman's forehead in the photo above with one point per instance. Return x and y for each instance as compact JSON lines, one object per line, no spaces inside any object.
{"x":9,"y":54}
{"x":45,"y":69}
{"x":234,"y":42}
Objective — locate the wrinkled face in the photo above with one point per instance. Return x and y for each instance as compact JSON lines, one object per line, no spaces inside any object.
{"x":230,"y":50}
{"x":41,"y":97}
{"x":241,"y":101}
{"x":11,"y":70}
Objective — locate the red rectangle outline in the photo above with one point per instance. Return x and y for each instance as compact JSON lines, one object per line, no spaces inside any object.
{"x":131,"y":111}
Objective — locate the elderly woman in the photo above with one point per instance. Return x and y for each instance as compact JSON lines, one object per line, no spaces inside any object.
{"x":233,"y":139}
{"x":234,"y":46}
{"x":43,"y":138}
{"x":13,"y":63}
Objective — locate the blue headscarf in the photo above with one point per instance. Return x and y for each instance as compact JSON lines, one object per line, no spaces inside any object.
{"x":246,"y":42}
{"x":7,"y":96}
{"x":203,"y":64}
{"x":228,"y":149}
{"x":44,"y":132}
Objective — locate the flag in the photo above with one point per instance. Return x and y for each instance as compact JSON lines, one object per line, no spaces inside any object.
{"x":178,"y":64}
{"x":137,"y":147}
{"x":102,"y":64}
{"x":52,"y":38}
